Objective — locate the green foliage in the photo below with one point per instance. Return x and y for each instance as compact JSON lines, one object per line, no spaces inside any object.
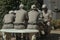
{"x":56,"y":23}
{"x":5,"y":6}
{"x":28,"y":3}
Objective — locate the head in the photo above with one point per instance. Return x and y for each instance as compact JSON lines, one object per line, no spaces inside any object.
{"x":11,"y":12}
{"x":21,"y":6}
{"x":33,"y":7}
{"x":44,"y":7}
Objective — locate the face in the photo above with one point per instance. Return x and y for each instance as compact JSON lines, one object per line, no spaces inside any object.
{"x":45,"y":9}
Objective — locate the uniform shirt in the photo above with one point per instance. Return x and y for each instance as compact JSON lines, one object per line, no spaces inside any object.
{"x":8,"y":18}
{"x":33,"y":16}
{"x":20,"y":16}
{"x":47,"y":15}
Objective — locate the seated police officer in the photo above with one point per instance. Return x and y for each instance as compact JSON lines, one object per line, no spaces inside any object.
{"x":47,"y":16}
{"x":33,"y":16}
{"x":20,"y":19}
{"x":8,"y":22}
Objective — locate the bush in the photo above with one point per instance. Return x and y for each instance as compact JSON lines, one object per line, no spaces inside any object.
{"x":56,"y":23}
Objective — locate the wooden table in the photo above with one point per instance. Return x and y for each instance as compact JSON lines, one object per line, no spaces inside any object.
{"x":17,"y":31}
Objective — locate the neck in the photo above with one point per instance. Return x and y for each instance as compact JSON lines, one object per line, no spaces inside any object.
{"x":21,"y":8}
{"x":34,"y":9}
{"x":45,"y":11}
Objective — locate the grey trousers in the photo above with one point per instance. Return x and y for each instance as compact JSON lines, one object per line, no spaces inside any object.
{"x":19,"y":26}
{"x":8,"y":26}
{"x":18,"y":36}
{"x":32,"y":27}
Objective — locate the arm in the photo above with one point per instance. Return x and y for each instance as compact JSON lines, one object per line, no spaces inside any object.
{"x":14,"y":18}
{"x":40,"y":16}
{"x":3,"y":20}
{"x":50,"y":16}
{"x":26,"y":16}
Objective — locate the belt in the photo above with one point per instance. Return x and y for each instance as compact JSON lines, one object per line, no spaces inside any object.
{"x":19,"y":24}
{"x":33,"y":23}
{"x":8,"y":23}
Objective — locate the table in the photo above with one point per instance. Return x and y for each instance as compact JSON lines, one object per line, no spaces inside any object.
{"x":17,"y":31}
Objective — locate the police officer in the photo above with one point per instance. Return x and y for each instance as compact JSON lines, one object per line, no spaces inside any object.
{"x":8,"y":20}
{"x":8,"y":23}
{"x":47,"y":16}
{"x":40,"y":23}
{"x":20,"y":19}
{"x":33,"y":16}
